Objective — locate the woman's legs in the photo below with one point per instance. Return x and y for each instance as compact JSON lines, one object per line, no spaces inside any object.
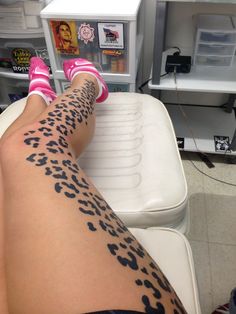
{"x":66,"y":250}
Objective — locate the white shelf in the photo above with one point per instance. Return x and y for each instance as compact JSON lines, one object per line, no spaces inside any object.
{"x":202,"y":1}
{"x":27,"y":33}
{"x":8,"y":73}
{"x":109,"y":77}
{"x":203,"y":123}
{"x":200,"y":79}
{"x":98,"y":10}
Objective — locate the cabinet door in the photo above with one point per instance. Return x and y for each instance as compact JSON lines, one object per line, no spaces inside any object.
{"x":103,"y":43}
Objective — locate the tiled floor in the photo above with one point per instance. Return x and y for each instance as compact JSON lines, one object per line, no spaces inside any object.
{"x":212,"y":232}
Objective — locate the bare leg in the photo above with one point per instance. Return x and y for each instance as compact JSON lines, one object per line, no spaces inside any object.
{"x":35,"y":105}
{"x":3,"y":298}
{"x":67,"y":252}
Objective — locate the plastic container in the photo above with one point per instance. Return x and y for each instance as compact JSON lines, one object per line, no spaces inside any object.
{"x":213,"y":61}
{"x":217,"y":37}
{"x":216,"y":49}
{"x":215,"y":40}
{"x":105,"y":44}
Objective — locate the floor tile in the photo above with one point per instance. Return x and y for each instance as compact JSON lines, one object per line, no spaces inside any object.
{"x":221,"y":218}
{"x":222,"y":171}
{"x":223,"y":272}
{"x":198,"y":221}
{"x":202,"y":267}
{"x":194,"y":178}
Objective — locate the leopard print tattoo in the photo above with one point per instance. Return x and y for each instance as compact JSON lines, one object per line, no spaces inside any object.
{"x":49,"y":141}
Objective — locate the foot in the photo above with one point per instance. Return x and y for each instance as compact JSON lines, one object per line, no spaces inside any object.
{"x":39,"y":80}
{"x":73,"y":67}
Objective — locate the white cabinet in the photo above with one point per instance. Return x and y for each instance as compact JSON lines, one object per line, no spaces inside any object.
{"x":201,"y":127}
{"x":108,"y":33}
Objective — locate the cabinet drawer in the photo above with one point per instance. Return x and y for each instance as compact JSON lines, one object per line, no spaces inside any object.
{"x":217,"y":37}
{"x":216,"y":49}
{"x":213,"y":60}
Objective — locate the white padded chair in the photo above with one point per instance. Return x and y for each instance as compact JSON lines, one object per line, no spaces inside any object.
{"x":172,"y":252}
{"x":135,"y":163}
{"x":133,"y":160}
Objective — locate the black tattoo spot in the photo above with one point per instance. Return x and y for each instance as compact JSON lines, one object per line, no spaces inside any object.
{"x":71,"y":166}
{"x":128,"y":240}
{"x":165,"y":285}
{"x":123,"y":246}
{"x":46,"y":131}
{"x":83,"y":185}
{"x":156,"y":292}
{"x":32,"y":141}
{"x":91,"y":226}
{"x":144,"y":270}
{"x":159,"y":309}
{"x":62,"y":129}
{"x":29,"y":133}
{"x":132,"y":262}
{"x":38,"y":161}
{"x":179,"y":306}
{"x":58,"y":187}
{"x":113,"y":248}
{"x":86,"y":211}
{"x":138,"y":282}
{"x":153,"y":266}
{"x":139,"y":252}
{"x":48,"y":171}
{"x":55,"y":162}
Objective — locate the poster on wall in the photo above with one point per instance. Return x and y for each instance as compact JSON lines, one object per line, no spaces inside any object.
{"x":111,"y":35}
{"x":65,"y":37}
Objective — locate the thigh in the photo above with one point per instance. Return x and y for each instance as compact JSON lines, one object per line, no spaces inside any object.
{"x":3,"y":299}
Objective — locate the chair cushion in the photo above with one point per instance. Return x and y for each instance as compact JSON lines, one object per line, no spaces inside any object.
{"x":172,"y":252}
{"x":133,"y":160}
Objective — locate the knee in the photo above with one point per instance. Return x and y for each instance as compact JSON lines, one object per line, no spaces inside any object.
{"x":10,"y":148}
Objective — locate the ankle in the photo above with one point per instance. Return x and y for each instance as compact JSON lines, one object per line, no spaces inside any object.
{"x":81,"y":77}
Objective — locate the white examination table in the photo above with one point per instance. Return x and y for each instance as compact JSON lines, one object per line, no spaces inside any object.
{"x":134,"y":161}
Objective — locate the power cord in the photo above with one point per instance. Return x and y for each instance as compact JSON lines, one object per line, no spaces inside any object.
{"x":177,"y":53}
{"x":209,"y":176}
{"x":194,"y":140}
{"x":140,"y":88}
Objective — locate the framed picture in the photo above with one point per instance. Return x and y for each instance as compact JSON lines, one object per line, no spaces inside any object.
{"x":65,"y":37}
{"x":111,"y":35}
